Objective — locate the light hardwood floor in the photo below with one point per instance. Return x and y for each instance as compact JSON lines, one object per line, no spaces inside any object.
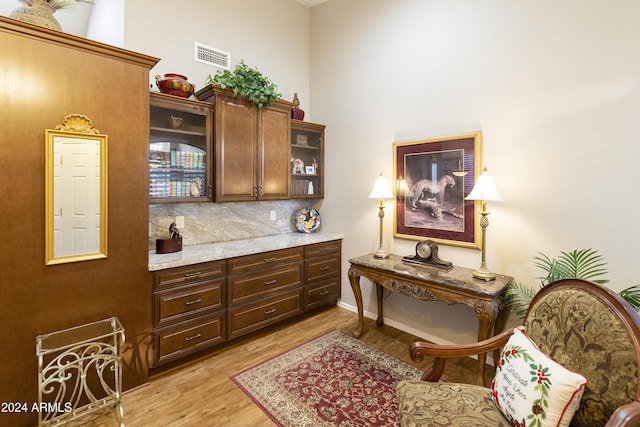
{"x":200,"y":392}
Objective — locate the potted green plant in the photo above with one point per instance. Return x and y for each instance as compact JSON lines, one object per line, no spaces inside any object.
{"x":247,"y":82}
{"x":585,"y":264}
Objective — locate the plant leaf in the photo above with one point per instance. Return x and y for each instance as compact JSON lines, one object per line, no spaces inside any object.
{"x":632,"y":296}
{"x":583,"y":264}
{"x":518,"y":297}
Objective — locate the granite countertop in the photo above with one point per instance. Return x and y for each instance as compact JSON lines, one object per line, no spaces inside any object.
{"x":215,"y":251}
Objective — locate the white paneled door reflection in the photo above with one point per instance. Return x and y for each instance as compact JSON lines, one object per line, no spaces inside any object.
{"x":76,"y":198}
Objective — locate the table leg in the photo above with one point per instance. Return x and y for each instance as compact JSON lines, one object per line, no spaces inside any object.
{"x":499,"y":324}
{"x":486,"y":318}
{"x":354,"y":279}
{"x":380,"y":295}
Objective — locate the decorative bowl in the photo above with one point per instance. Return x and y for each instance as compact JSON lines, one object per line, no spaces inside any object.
{"x":175,"y":84}
{"x":175,"y":122}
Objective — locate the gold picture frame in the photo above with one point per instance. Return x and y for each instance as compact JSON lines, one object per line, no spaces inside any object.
{"x":433,"y":177}
{"x":76,"y":192}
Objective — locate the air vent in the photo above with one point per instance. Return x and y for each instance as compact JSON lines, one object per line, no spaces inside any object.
{"x":212,"y":56}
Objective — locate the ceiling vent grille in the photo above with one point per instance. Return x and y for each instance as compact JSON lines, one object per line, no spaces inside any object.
{"x":212,"y":56}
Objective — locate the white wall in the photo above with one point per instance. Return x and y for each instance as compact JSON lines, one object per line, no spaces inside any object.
{"x":552,"y":85}
{"x":270,"y":35}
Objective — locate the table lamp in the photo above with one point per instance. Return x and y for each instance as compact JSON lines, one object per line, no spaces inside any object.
{"x":484,"y":190}
{"x":381,"y":191}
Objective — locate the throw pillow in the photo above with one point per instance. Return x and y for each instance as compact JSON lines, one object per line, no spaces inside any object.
{"x":531,"y":389}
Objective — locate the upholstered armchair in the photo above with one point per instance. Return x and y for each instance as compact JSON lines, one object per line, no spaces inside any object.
{"x":573,"y":362}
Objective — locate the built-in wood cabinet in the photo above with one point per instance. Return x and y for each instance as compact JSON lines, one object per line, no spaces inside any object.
{"x":322,"y":274}
{"x":180,"y":136}
{"x":223,"y":148}
{"x":202,"y":305}
{"x":189,"y":310}
{"x":251,"y":147}
{"x":307,"y":160}
{"x":264,"y":289}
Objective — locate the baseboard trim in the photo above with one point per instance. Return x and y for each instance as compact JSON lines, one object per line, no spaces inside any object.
{"x":404,"y":328}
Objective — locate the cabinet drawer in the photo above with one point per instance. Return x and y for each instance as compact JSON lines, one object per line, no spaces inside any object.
{"x":257,"y":284}
{"x":320,"y":249}
{"x":249,"y":317}
{"x":322,"y":267}
{"x":176,"y":304}
{"x":264,"y":259}
{"x":321,"y":293}
{"x":189,"y":337}
{"x":189,"y":274}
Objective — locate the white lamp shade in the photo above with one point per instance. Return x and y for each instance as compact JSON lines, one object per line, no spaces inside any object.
{"x":381,"y":189}
{"x":485,"y":189}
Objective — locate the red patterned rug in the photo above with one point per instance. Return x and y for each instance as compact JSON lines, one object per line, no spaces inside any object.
{"x":332,"y":380}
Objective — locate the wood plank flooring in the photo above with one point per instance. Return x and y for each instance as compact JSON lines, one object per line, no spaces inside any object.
{"x":200,"y":392}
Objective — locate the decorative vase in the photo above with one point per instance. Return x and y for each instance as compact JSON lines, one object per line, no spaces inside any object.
{"x":175,"y":84}
{"x":37,"y":12}
{"x":296,"y":112}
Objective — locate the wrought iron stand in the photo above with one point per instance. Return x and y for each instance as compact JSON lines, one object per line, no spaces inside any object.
{"x":79,"y":371}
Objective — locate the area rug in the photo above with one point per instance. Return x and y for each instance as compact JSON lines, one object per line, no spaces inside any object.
{"x":332,"y":380}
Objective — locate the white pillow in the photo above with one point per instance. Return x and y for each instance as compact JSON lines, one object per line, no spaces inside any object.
{"x":531,"y":389}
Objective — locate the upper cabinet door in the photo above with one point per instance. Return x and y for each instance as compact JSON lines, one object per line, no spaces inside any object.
{"x":235,"y":147}
{"x":180,"y":135}
{"x":252,"y":147}
{"x":307,"y":154}
{"x":274,"y":153}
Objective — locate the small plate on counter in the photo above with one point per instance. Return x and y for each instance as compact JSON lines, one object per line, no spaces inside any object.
{"x":307,"y":220}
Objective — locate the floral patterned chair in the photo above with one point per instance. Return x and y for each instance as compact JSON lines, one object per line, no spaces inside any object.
{"x":574,"y":362}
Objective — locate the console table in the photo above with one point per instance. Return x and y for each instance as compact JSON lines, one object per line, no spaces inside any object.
{"x":453,"y":286}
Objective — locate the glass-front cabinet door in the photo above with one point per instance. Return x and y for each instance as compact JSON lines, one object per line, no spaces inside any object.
{"x":179,"y":149}
{"x":307,"y":160}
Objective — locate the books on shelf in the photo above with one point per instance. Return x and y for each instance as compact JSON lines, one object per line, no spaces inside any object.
{"x":176,"y":174}
{"x":302,"y":186}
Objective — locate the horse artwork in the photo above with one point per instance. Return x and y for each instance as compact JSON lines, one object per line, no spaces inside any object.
{"x":434,"y":176}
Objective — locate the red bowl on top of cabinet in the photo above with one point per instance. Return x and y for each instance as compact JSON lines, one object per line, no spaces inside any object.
{"x":175,"y":84}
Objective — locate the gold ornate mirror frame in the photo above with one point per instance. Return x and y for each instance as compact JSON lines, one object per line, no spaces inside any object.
{"x":76,"y":181}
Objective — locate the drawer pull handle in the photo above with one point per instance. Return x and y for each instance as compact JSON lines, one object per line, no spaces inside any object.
{"x":196,"y":301}
{"x":324,"y":248}
{"x":324,"y":268}
{"x":270,"y":259}
{"x":267,"y":312}
{"x":193,"y":337}
{"x":270,"y":282}
{"x":324,"y":293}
{"x":194,"y":274}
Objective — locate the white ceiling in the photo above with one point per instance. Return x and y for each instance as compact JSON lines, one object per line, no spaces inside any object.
{"x":310,"y":3}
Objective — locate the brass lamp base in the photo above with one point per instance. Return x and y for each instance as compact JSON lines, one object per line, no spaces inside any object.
{"x":381,"y":253}
{"x":483,"y":273}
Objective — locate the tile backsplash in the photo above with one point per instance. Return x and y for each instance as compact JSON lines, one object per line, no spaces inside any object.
{"x":219,"y":222}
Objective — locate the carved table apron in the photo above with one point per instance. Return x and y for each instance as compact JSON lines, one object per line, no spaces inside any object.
{"x":453,"y":286}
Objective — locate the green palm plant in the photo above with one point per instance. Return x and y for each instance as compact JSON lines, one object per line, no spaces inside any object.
{"x":585,"y":264}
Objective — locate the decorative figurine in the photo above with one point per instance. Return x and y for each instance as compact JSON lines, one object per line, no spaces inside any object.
{"x":174,"y":233}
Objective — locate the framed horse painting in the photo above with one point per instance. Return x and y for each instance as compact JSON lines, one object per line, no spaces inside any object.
{"x":433,"y":177}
